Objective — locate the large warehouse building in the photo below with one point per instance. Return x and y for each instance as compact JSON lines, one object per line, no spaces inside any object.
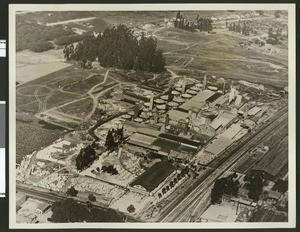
{"x":157,"y":180}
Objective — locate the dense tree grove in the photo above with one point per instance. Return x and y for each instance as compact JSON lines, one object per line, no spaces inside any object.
{"x":86,"y":157}
{"x":110,"y":169}
{"x":39,"y":38}
{"x":227,"y":185}
{"x":254,"y":183}
{"x":274,"y":35}
{"x":281,"y":186}
{"x":244,"y":28}
{"x":248,"y":28}
{"x":71,"y":211}
{"x":202,"y":24}
{"x":114,"y":138}
{"x":118,"y":47}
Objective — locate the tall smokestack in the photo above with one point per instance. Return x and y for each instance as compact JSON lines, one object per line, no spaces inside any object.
{"x":136,"y":110}
{"x":224,"y":83}
{"x":204,"y":82}
{"x":186,"y":126}
{"x":151,"y":101}
{"x":231,"y":95}
{"x":167,"y":120}
{"x":155,"y":116}
{"x":183,"y":85}
{"x":120,"y":152}
{"x":170,"y":95}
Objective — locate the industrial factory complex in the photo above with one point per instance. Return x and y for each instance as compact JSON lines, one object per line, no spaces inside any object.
{"x":201,"y":138}
{"x":172,"y":138}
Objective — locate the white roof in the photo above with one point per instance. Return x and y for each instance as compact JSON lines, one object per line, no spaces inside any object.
{"x":197,"y":101}
{"x":177,"y":115}
{"x":218,"y":145}
{"x":232,"y":131}
{"x":254,"y":110}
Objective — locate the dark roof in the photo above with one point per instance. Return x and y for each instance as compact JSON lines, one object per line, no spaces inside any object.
{"x":180,"y":139}
{"x":265,"y":215}
{"x":275,"y":160}
{"x":166,"y":145}
{"x":214,"y":97}
{"x":156,"y":174}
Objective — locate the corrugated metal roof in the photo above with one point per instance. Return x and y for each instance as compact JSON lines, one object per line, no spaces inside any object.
{"x":197,"y":101}
{"x":218,"y":145}
{"x":275,"y":159}
{"x":156,"y":174}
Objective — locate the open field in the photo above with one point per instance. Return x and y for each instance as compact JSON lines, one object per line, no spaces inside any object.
{"x":51,"y":17}
{"x":51,"y":86}
{"x":79,"y":108}
{"x":218,"y":54}
{"x":39,"y":137}
{"x":31,"y":65}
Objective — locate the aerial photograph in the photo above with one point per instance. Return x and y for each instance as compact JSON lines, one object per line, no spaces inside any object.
{"x":151,"y":116}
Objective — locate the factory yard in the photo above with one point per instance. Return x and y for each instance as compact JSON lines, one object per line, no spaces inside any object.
{"x":152,"y":146}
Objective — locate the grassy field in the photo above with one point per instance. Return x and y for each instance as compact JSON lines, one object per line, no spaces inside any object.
{"x":39,"y":137}
{"x":218,"y":54}
{"x":84,"y":85}
{"x":78,"y":108}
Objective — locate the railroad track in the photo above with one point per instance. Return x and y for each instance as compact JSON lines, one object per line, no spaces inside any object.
{"x":46,"y":195}
{"x":179,"y":208}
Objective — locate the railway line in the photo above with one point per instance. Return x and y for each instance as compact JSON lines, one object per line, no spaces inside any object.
{"x":48,"y":196}
{"x":180,"y":209}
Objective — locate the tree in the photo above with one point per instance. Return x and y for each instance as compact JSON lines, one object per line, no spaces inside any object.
{"x":91,"y":198}
{"x":281,"y":186}
{"x":254,"y":183}
{"x":260,"y":12}
{"x":110,"y":141}
{"x":72,"y":192}
{"x":85,"y":157}
{"x":131,"y":209}
{"x":71,"y":211}
{"x":277,"y":14}
{"x":119,"y":47}
{"x":227,"y":185}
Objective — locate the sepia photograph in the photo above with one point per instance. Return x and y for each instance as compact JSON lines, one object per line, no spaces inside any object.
{"x":152,"y":116}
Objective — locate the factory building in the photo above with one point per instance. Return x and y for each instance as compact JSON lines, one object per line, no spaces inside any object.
{"x":157,"y":180}
{"x":222,"y":120}
{"x":164,"y":143}
{"x":197,"y":101}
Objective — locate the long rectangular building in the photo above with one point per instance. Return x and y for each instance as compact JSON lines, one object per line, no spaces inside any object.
{"x":153,"y":177}
{"x":198,"y":101}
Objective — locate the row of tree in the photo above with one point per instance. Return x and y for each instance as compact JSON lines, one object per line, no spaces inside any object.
{"x":243,"y":28}
{"x":274,"y":35}
{"x":119,"y":47}
{"x":201,"y":24}
{"x":71,"y":211}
